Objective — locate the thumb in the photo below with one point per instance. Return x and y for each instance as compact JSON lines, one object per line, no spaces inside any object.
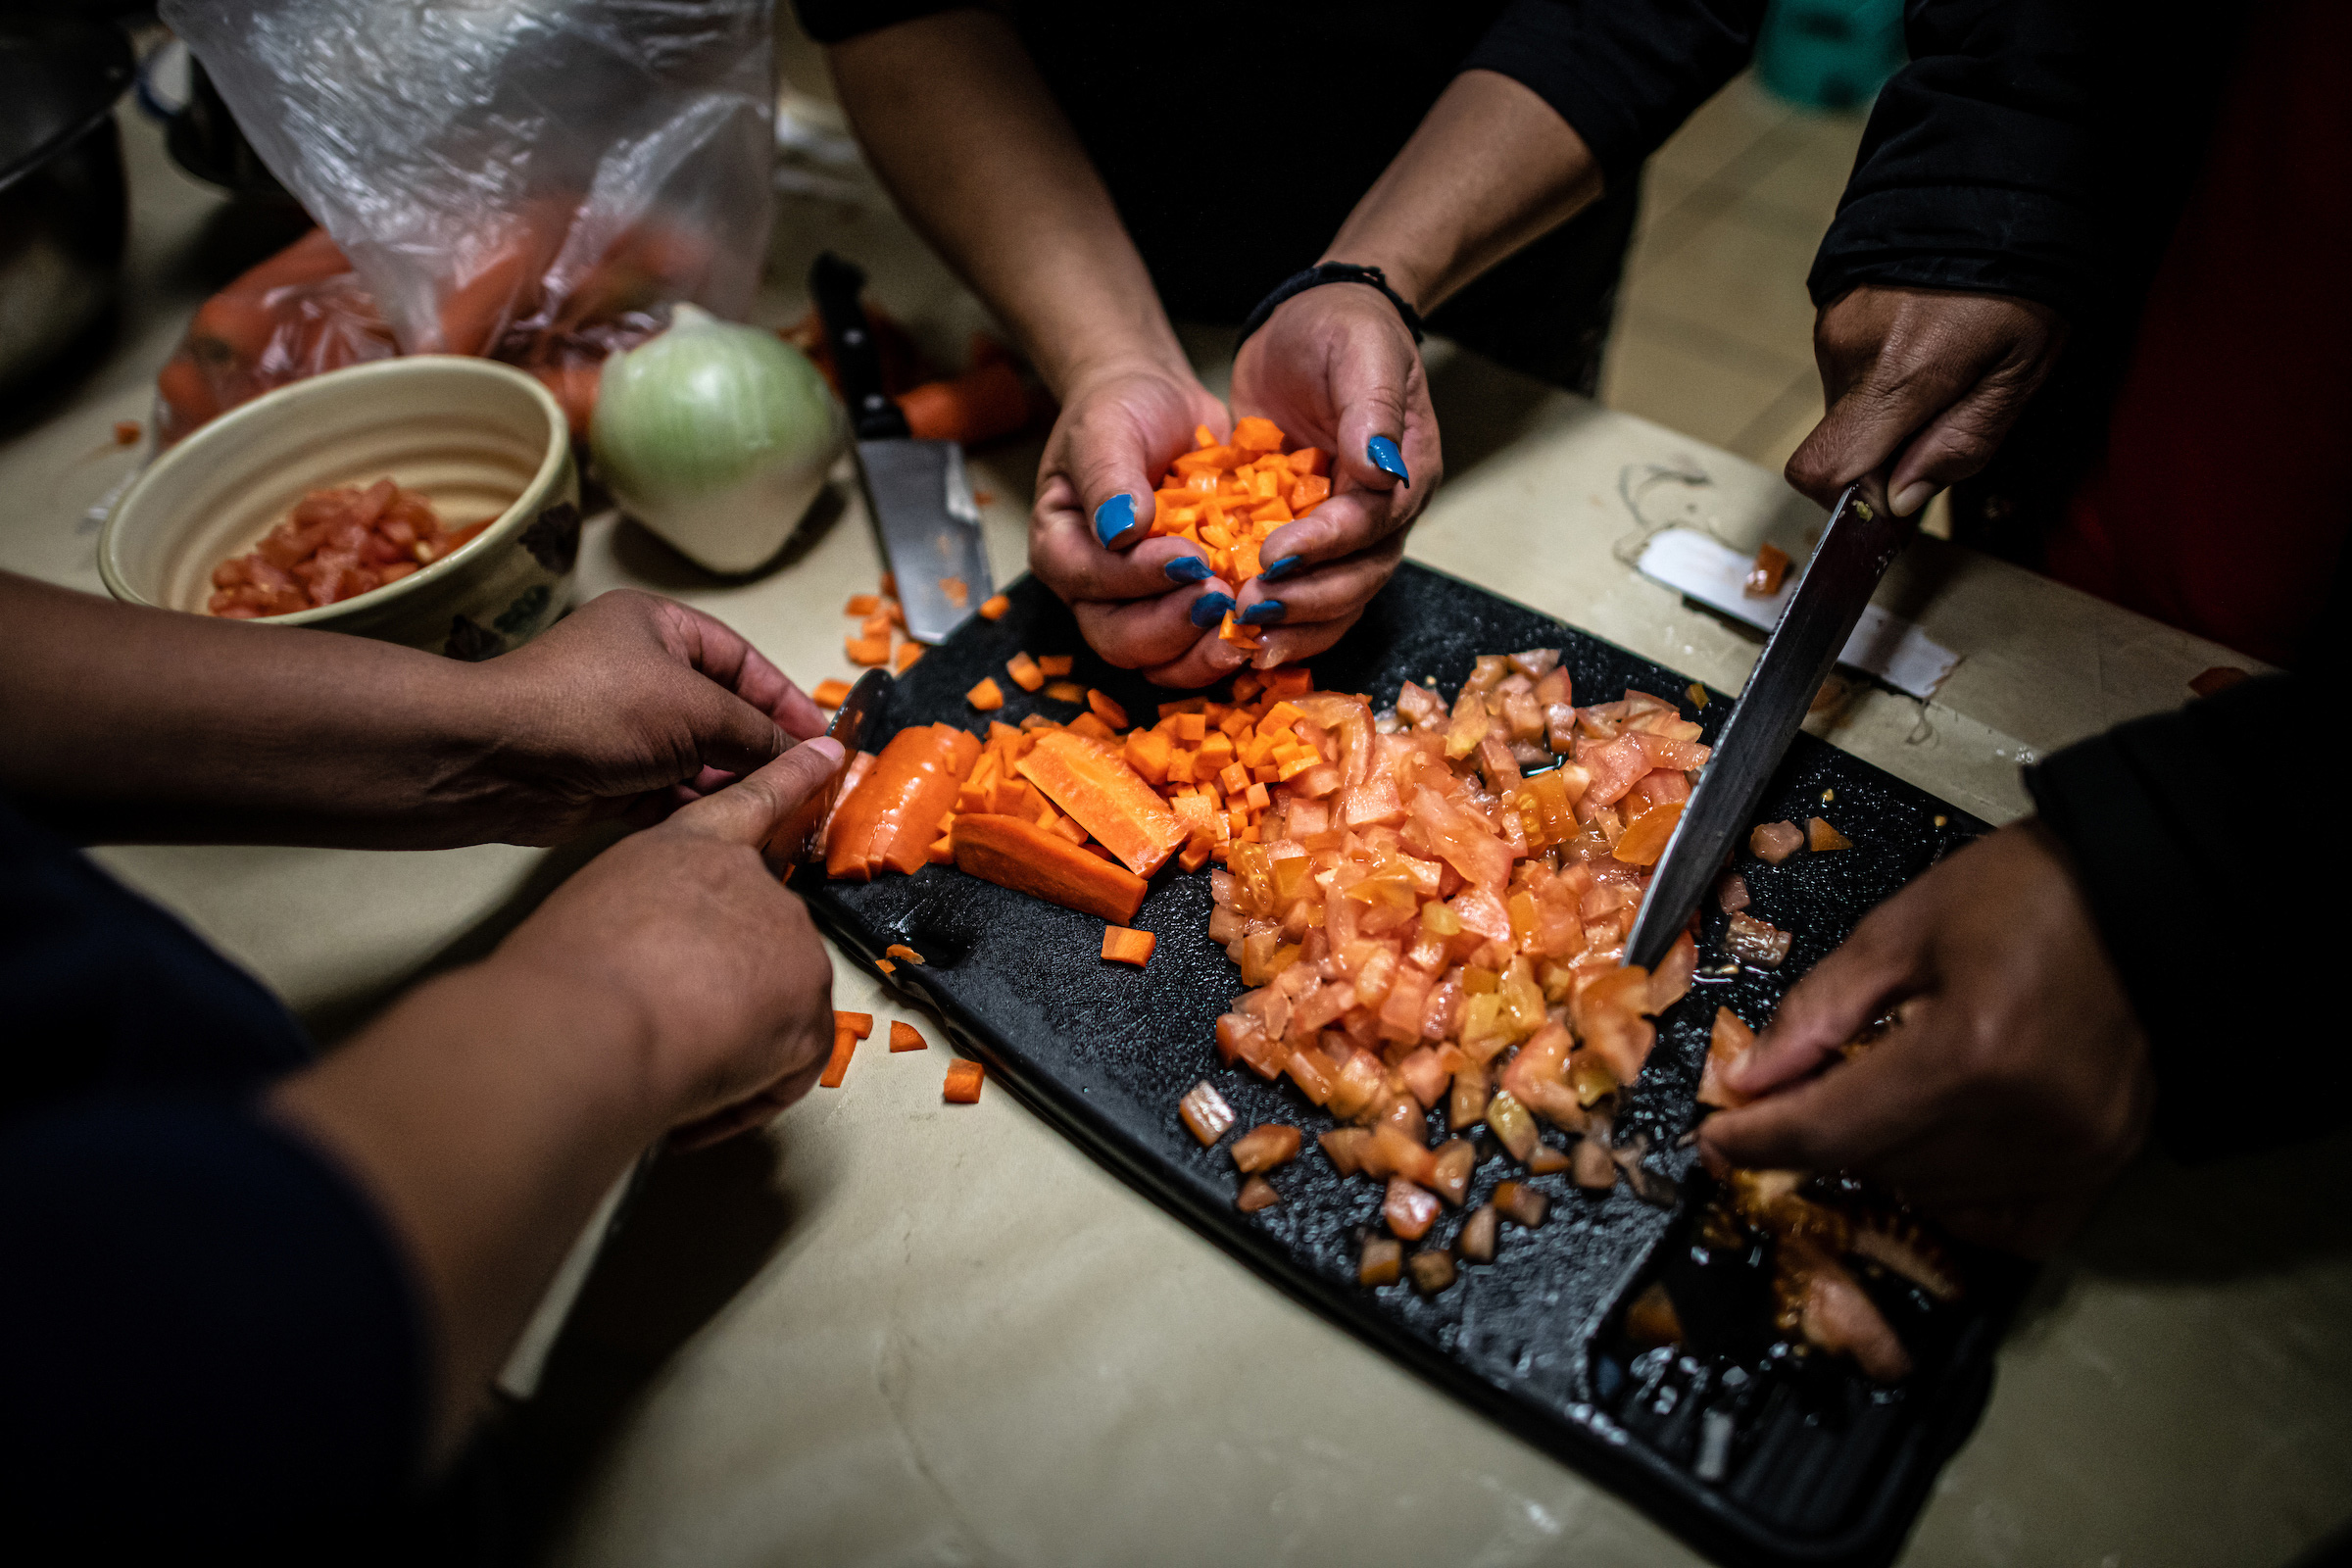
{"x":748,"y":811}
{"x":1114,"y":490}
{"x":1368,"y":389}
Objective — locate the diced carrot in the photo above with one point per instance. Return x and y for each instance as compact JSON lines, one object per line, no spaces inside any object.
{"x":909,"y":653}
{"x":901,"y":951}
{"x":1092,"y":727}
{"x":1295,"y":681}
{"x":1024,"y":672}
{"x":993,"y":607}
{"x":942,"y":851}
{"x":903,"y":1036}
{"x":1108,"y":799}
{"x":1310,"y":459}
{"x":869,"y":650}
{"x":864,"y":604}
{"x":1309,"y":490}
{"x":987,"y":697}
{"x":1147,"y":752}
{"x":964,"y":1083}
{"x":860,"y":1024}
{"x":875,"y":626}
{"x":845,"y":1046}
{"x":1254,"y":434}
{"x":1028,"y":859}
{"x":830,"y":693}
{"x":1064,"y":691}
{"x":1056,"y":664}
{"x":882,"y":964}
{"x":1108,"y":710}
{"x":1123,"y":945}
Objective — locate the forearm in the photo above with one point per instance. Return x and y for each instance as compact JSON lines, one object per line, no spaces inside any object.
{"x":956,"y":120}
{"x":487,"y":1115}
{"x":123,"y":724}
{"x":1492,"y":166}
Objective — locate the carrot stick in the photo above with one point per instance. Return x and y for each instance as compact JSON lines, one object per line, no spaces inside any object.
{"x":860,"y":1024}
{"x":1031,"y":859}
{"x":845,"y":1046}
{"x":1094,"y":785}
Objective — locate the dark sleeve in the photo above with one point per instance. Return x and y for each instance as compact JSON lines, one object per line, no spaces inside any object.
{"x":832,"y":21}
{"x":2214,"y":879}
{"x":1978,"y":170}
{"x":209,"y":1345}
{"x":1624,"y":73}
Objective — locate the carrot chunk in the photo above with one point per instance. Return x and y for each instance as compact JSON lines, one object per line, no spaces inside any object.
{"x":993,"y":607}
{"x":864,"y":604}
{"x":987,"y":697}
{"x":1122,"y":944}
{"x":1108,"y":712}
{"x":867,"y":650}
{"x":1024,"y":672}
{"x":905,"y":1036}
{"x":909,"y":653}
{"x":900,"y":950}
{"x":1064,"y":691}
{"x":964,"y":1083}
{"x":1056,"y":665}
{"x":830,"y":693}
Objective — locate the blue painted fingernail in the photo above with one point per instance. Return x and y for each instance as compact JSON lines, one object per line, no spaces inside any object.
{"x":1280,"y":568}
{"x":1210,"y":608}
{"x":1385,"y":458}
{"x":1114,"y":517}
{"x":1264,"y":613}
{"x":1189,"y":568}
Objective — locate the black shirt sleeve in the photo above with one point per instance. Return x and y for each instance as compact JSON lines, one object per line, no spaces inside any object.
{"x":2199,"y":842}
{"x":1626,"y":74}
{"x":1979,"y":169}
{"x":211,"y":1345}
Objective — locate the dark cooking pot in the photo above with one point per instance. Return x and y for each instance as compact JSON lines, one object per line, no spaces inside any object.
{"x":64,"y":210}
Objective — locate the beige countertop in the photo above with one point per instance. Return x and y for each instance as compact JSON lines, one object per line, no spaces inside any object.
{"x":895,"y":1332}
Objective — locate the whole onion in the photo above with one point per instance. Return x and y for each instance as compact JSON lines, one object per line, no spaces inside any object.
{"x":716,"y":436}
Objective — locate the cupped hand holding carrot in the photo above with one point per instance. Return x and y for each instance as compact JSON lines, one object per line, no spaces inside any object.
{"x":1142,"y":602}
{"x":1336,"y":368}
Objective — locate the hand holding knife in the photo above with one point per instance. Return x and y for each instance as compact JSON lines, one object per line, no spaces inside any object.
{"x":1862,"y":539}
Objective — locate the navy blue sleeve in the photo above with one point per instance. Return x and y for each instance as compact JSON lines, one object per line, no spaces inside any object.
{"x":1979,"y":168}
{"x":208,"y":1342}
{"x":1626,"y":74}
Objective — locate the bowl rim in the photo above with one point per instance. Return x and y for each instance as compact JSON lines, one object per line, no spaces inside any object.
{"x":269,"y":405}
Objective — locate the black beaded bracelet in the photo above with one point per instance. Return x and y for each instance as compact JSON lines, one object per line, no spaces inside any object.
{"x":1328,"y":273}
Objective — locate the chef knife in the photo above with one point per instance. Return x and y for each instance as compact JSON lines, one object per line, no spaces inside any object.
{"x":1862,"y":539}
{"x":796,"y":837}
{"x":915,"y":490}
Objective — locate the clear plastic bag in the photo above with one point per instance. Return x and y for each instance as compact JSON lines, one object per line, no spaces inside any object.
{"x":536,"y":181}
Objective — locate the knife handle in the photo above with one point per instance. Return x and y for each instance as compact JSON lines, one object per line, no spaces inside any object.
{"x":836,"y":285}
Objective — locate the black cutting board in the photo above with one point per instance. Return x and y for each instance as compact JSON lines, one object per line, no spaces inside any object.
{"x":1822,"y":1468}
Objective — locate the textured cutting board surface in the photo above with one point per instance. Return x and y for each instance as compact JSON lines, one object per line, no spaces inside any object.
{"x":1828,"y":1472}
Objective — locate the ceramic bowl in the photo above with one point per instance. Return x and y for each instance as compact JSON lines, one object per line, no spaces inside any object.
{"x":473,"y":435}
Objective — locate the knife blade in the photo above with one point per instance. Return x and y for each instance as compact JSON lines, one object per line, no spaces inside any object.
{"x":915,"y":491}
{"x":795,"y":838}
{"x":1861,"y":541}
